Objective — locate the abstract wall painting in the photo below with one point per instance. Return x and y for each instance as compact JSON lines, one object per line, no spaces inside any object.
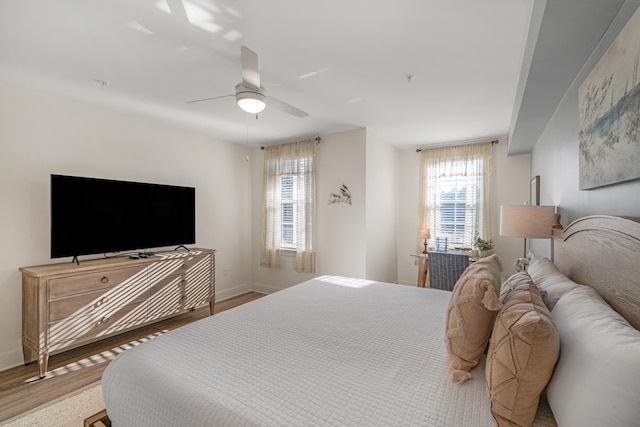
{"x":609,"y":105}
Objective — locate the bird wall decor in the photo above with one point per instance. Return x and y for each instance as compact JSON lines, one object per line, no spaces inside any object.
{"x":344,"y":196}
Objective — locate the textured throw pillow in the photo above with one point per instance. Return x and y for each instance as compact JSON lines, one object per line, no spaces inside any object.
{"x":523,"y":350}
{"x":597,"y":379}
{"x":470,"y":315}
{"x":549,"y":279}
{"x":520,"y":280}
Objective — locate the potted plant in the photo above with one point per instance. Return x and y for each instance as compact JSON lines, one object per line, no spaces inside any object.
{"x":484,"y":247}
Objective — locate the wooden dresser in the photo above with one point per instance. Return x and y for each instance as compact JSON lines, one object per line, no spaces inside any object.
{"x":68,"y":305}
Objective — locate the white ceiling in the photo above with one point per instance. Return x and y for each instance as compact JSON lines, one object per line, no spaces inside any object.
{"x":480,"y":68}
{"x":345,"y":62}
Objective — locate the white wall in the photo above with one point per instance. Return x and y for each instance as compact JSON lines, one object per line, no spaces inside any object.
{"x":340,"y":231}
{"x":555,"y":159}
{"x":381,"y":209}
{"x":43,"y":133}
{"x":511,"y":180}
{"x":357,"y":240}
{"x":408,"y":218}
{"x":510,"y":186}
{"x":342,"y":227}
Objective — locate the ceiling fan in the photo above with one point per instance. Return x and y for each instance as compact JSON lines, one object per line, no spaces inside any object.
{"x":250,"y":95}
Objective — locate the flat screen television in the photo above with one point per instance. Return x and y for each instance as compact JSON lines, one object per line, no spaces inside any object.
{"x":93,"y":216}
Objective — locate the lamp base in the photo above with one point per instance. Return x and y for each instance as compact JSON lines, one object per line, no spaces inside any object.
{"x":521,"y":264}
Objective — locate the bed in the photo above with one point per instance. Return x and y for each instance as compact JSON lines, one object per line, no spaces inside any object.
{"x":344,"y":351}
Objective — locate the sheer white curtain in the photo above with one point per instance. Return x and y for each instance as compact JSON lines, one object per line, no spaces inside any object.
{"x":289,"y":204}
{"x":455,"y":184}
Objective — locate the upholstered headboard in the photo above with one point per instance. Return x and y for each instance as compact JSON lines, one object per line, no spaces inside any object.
{"x":604,"y":252}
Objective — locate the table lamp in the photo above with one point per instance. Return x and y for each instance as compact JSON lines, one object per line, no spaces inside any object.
{"x":425,"y":233}
{"x":529,"y":222}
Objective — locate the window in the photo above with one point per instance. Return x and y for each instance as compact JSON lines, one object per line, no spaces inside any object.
{"x":289,"y":207}
{"x":455,"y":211}
{"x":288,"y":217}
{"x":455,"y":193}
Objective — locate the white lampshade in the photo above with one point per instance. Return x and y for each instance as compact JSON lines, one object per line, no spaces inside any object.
{"x":527,"y":221}
{"x":425,"y":233}
{"x":251,"y":104}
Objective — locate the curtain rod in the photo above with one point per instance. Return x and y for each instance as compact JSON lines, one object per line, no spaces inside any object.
{"x":317,"y":139}
{"x":493,"y":142}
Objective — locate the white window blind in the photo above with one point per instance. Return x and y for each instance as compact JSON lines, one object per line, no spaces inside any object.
{"x":454,"y":194}
{"x":288,"y":212}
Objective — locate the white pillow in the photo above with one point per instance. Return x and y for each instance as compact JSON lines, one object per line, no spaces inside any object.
{"x":549,"y":279}
{"x":596,"y":381}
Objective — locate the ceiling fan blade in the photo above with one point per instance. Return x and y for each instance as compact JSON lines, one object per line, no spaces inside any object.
{"x":250,"y":69}
{"x":211,"y":99}
{"x":283,"y":106}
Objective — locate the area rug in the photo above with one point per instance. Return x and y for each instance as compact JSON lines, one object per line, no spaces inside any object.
{"x":68,"y":411}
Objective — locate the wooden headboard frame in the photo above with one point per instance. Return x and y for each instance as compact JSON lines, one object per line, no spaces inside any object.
{"x":604,"y":253}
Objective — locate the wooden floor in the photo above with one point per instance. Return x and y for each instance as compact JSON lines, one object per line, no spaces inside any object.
{"x":21,"y":389}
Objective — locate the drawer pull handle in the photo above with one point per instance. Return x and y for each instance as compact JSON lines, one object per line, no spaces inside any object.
{"x":105,"y":300}
{"x":104,"y":279}
{"x":183,"y":266}
{"x":105,"y":319}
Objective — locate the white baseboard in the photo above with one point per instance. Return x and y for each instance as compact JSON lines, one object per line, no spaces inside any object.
{"x":243,"y":289}
{"x":402,"y":282}
{"x":233,"y":292}
{"x":264,"y":289}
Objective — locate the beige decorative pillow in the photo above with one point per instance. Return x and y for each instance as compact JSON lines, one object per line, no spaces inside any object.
{"x":519,"y":280}
{"x":470,"y":315}
{"x":523,"y":351}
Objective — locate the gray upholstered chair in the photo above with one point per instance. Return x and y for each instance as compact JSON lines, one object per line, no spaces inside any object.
{"x":445,"y":268}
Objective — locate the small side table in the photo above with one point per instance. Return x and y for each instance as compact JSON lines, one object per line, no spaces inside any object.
{"x":423,"y":269}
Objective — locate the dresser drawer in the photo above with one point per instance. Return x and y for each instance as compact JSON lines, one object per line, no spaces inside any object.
{"x":88,"y":303}
{"x":173,"y":266}
{"x":81,"y":283}
{"x":73,"y":330}
{"x":166,"y":296}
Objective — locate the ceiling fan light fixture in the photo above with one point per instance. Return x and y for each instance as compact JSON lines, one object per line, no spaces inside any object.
{"x":250,"y":95}
{"x":251,"y":100}
{"x":251,"y":105}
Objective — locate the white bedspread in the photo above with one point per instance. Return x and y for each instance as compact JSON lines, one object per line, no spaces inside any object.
{"x":330,"y":351}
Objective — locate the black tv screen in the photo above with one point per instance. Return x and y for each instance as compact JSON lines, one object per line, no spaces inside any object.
{"x":92,"y":216}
